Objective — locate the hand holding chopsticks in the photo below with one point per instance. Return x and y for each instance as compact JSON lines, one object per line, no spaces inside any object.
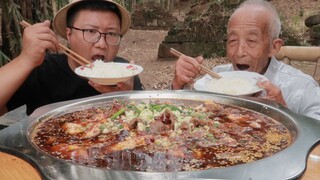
{"x":205,"y":69}
{"x":74,"y":56}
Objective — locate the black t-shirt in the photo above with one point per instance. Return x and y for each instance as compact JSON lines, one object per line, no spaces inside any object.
{"x":54,"y":81}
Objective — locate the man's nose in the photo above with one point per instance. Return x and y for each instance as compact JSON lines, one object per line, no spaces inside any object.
{"x":102,"y":43}
{"x":241,"y":49}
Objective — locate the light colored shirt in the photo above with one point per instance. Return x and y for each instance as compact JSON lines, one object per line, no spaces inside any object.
{"x":300,"y":91}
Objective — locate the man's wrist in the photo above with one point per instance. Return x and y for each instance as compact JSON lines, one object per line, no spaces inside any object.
{"x":176,"y":84}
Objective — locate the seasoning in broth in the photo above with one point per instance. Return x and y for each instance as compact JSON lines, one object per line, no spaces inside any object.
{"x":161,"y":136}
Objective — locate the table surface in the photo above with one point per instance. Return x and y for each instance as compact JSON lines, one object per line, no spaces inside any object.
{"x":313,"y":167}
{"x":13,"y":167}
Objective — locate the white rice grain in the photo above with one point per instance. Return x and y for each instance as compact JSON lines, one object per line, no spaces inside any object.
{"x":101,"y":69}
{"x":232,"y":86}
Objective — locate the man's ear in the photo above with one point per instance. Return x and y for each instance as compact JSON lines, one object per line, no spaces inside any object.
{"x":275,"y":47}
{"x":68,"y":33}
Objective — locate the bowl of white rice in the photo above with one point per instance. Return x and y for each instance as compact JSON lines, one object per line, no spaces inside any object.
{"x":108,"y":73}
{"x":233,"y":83}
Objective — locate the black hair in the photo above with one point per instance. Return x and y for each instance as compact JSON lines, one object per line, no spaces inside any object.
{"x":91,"y":5}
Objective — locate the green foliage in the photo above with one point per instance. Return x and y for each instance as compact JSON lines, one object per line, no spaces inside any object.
{"x":11,"y":35}
{"x":128,"y":4}
{"x":3,"y":58}
{"x":61,"y":3}
{"x":12,"y":14}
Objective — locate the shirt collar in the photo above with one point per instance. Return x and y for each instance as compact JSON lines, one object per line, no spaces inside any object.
{"x":272,"y":69}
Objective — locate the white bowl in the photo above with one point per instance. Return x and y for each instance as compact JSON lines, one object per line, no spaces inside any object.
{"x":109,"y":73}
{"x":233,"y":82}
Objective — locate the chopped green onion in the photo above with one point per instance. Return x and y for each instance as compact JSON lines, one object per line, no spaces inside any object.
{"x":135,"y":109}
{"x":102,"y":126}
{"x":156,"y":107}
{"x":159,"y":107}
{"x":118,"y":113}
{"x":173,"y":108}
{"x":216,"y":124}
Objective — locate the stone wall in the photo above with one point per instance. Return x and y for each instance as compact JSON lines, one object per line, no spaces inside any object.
{"x":313,"y":22}
{"x":151,"y":15}
{"x":203,"y":32}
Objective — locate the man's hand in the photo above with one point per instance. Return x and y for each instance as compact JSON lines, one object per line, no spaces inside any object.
{"x":186,"y":69}
{"x":121,"y":86}
{"x":36,"y":40}
{"x":273,"y":92}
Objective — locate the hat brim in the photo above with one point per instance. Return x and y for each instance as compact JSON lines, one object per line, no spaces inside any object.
{"x":60,"y":19}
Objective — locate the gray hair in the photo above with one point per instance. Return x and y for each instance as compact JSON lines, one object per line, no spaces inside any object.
{"x":274,"y":20}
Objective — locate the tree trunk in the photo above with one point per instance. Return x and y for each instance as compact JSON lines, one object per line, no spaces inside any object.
{"x":0,"y":26}
{"x":54,"y":7}
{"x":6,"y":25}
{"x":28,"y":9}
{"x":43,"y":8}
{"x":23,"y":8}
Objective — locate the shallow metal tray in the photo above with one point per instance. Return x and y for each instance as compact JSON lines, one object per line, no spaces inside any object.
{"x":289,"y":163}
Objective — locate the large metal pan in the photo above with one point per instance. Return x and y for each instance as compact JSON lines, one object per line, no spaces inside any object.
{"x":289,"y":163}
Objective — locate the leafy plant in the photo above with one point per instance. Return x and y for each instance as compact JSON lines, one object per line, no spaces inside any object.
{"x":13,"y":12}
{"x":3,"y":58}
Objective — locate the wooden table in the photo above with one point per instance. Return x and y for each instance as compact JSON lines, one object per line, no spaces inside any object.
{"x":13,"y":167}
{"x":313,"y":167}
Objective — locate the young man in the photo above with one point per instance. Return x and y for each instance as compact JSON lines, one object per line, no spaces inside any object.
{"x":252,"y":41}
{"x":93,"y":29}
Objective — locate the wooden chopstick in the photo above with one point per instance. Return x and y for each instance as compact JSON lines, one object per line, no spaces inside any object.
{"x":205,"y":69}
{"x":73,"y":55}
{"x":73,"y":58}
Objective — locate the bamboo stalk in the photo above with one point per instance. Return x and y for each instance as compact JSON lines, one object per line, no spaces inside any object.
{"x":1,"y":26}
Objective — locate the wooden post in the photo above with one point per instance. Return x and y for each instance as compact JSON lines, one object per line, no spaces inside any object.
{"x":179,"y":6}
{"x":301,"y":53}
{"x":317,"y":71}
{"x":286,"y":60}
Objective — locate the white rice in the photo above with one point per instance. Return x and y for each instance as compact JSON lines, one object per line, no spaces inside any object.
{"x":101,"y":69}
{"x":232,"y":86}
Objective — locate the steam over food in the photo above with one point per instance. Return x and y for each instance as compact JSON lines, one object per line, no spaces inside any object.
{"x":160,"y":135}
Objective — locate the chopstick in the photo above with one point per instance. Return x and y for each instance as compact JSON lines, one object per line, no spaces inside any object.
{"x":73,"y":55}
{"x":205,"y":69}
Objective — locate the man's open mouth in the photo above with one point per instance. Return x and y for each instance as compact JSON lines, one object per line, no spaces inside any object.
{"x":243,"y":67}
{"x":97,"y":57}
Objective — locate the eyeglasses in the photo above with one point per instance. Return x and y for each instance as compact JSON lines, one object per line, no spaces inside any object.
{"x":93,"y":36}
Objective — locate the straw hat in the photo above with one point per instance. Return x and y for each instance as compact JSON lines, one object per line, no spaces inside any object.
{"x":60,"y":19}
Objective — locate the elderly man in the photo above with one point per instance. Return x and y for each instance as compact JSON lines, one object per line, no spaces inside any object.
{"x":252,"y":41}
{"x":93,"y":30}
